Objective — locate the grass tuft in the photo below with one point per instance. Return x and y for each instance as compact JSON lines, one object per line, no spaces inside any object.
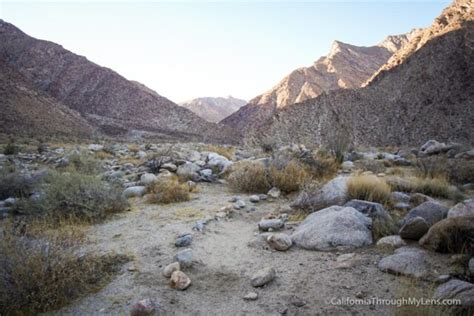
{"x":369,"y":188}
{"x":169,"y":191}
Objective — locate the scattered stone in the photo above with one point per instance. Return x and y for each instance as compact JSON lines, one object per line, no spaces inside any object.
{"x":170,"y":167}
{"x":347,"y":165}
{"x":185,"y":257}
{"x":184,"y":240}
{"x":169,"y":269}
{"x":251,"y":296}
{"x":254,"y":198}
{"x":199,"y":225}
{"x":297,"y":301}
{"x":407,"y":261}
{"x":143,"y":308}
{"x":332,"y":227}
{"x":239,"y":204}
{"x":180,"y":281}
{"x":332,"y":193}
{"x":148,"y":178}
{"x":217,"y":161}
{"x":460,"y":290}
{"x":432,"y":147}
{"x":443,"y":278}
{"x":394,"y":241}
{"x":280,"y":242}
{"x":263,"y":277}
{"x":9,"y":202}
{"x":135,"y":191}
{"x":274,"y":193}
{"x":274,"y":224}
{"x":465,"y":208}
{"x":189,"y":170}
{"x":414,"y":228}
{"x":235,"y":199}
{"x":371,"y":209}
{"x":262,"y":197}
{"x":95,"y":147}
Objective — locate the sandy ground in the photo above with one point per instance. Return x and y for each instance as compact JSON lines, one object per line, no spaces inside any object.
{"x":225,"y":259}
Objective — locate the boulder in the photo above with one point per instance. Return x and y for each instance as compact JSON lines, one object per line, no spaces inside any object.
{"x":280,"y":242}
{"x":430,"y":211}
{"x":135,"y":191}
{"x":95,"y":147}
{"x":263,"y":277}
{"x":414,"y":228}
{"x":394,"y":241}
{"x":179,"y":280}
{"x":399,"y":197}
{"x":189,"y":170}
{"x":459,"y":290}
{"x":451,"y":235}
{"x":407,"y":261}
{"x":148,"y":178}
{"x":274,"y":193}
{"x":332,"y":227}
{"x":465,"y":208}
{"x":432,"y":147}
{"x":370,"y":209}
{"x":217,"y":161}
{"x":332,"y":193}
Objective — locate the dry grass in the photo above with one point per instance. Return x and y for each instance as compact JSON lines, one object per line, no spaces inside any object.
{"x":369,"y":188}
{"x":290,"y":178}
{"x":251,"y":177}
{"x":321,"y":166}
{"x":433,"y":186}
{"x":43,"y":271}
{"x":134,"y":148}
{"x":84,"y":163}
{"x":134,"y":161}
{"x":414,"y":289}
{"x":226,"y":151}
{"x":14,"y":184}
{"x":103,"y":155}
{"x":188,"y":213}
{"x":170,"y":191}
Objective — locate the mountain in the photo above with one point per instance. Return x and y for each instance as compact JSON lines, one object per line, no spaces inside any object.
{"x":346,"y":66}
{"x":112,"y":104}
{"x":425,"y":91}
{"x":214,"y":109}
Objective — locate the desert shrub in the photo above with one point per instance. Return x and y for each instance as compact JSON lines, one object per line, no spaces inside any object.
{"x":41,"y":148}
{"x":368,"y":188}
{"x":431,"y":167}
{"x":455,"y":170}
{"x":410,"y":288}
{"x":226,"y":151}
{"x":170,"y":191}
{"x":375,"y":166}
{"x":383,"y":227}
{"x":46,"y":272}
{"x":436,"y":187}
{"x":161,"y":157}
{"x":103,"y":155}
{"x":460,"y":171}
{"x":289,"y":178}
{"x":321,"y":165}
{"x":83,"y":163}
{"x":10,"y":148}
{"x":251,"y":177}
{"x":134,"y":148}
{"x":14,"y":184}
{"x":66,"y":195}
{"x":338,"y":143}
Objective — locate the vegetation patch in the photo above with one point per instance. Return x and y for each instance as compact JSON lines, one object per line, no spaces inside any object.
{"x":290,"y":178}
{"x":170,"y":191}
{"x":368,"y":188}
{"x":251,"y":177}
{"x":226,"y":151}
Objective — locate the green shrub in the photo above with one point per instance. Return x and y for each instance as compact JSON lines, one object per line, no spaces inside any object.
{"x":14,"y":184}
{"x":84,"y":163}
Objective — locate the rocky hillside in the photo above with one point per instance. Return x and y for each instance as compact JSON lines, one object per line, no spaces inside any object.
{"x":428,"y":94}
{"x":115,"y":105}
{"x":346,"y":66}
{"x":214,"y":109}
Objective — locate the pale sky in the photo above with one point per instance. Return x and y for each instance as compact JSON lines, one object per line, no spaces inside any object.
{"x":189,"y":49}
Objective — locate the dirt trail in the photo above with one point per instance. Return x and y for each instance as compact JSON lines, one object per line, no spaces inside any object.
{"x":224,"y":264}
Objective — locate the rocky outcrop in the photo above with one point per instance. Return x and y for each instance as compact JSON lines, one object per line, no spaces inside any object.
{"x":213,"y":109}
{"x":346,"y":66}
{"x":108,"y":101}
{"x":435,"y":83}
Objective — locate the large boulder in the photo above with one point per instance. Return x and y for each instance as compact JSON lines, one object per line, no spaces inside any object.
{"x":189,"y":171}
{"x":465,"y":208}
{"x":458,"y":290}
{"x":432,"y":147}
{"x":451,"y":235}
{"x":332,"y":193}
{"x":414,"y":228}
{"x":417,"y":222}
{"x":135,"y":191}
{"x":332,"y":227}
{"x":407,"y":261}
{"x":217,"y":161}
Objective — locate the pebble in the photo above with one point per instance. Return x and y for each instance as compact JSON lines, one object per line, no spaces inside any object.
{"x":254,"y":198}
{"x":180,"y":281}
{"x":184,"y":240}
{"x":185,"y":257}
{"x":143,"y":308}
{"x":251,"y":296}
{"x":263,"y":277}
{"x":267,"y":224}
{"x":169,"y":269}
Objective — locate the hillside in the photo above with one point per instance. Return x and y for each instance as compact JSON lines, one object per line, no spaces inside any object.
{"x":214,"y":109}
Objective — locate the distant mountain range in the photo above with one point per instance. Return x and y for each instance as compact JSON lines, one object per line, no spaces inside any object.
{"x":346,"y":66}
{"x":214,"y":109}
{"x":106,"y":102}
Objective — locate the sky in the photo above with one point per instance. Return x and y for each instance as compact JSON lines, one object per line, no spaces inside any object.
{"x":190,"y":49}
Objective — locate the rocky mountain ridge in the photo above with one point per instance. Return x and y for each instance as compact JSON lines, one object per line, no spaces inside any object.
{"x":213,"y":109}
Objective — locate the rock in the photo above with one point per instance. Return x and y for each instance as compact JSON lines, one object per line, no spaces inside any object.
{"x":143,"y":308}
{"x":263,"y":277}
{"x":207,"y":175}
{"x":394,"y":241}
{"x":417,"y":199}
{"x":471,"y":266}
{"x":399,"y":197}
{"x":468,"y":155}
{"x":407,"y":261}
{"x":185,"y":257}
{"x":148,"y":178}
{"x":170,"y":167}
{"x":280,"y":242}
{"x":95,"y":147}
{"x":191,"y":185}
{"x":251,"y":296}
{"x":430,"y":211}
{"x":9,"y":202}
{"x":370,"y":209}
{"x":189,"y":170}
{"x":465,"y":208}
{"x":348,"y":260}
{"x":432,"y":147}
{"x":215,"y":160}
{"x":274,"y":193}
{"x":169,"y":269}
{"x":332,"y":227}
{"x":239,"y":204}
{"x":135,"y":191}
{"x":194,"y":156}
{"x":451,"y":235}
{"x":274,"y":224}
{"x":179,"y":281}
{"x":347,"y":165}
{"x":184,"y":240}
{"x":459,"y":290}
{"x":199,"y":225}
{"x":332,"y":193}
{"x":297,"y":301}
{"x":414,"y":228}
{"x":262,"y":197}
{"x":254,"y":198}
{"x":141,"y":154}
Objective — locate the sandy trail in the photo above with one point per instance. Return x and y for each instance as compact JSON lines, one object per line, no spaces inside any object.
{"x":224,"y":264}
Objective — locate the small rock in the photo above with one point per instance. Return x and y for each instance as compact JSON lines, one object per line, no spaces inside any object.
{"x":170,"y":167}
{"x":251,"y":296}
{"x":239,"y":204}
{"x":184,"y":240}
{"x":169,"y":269}
{"x":274,"y":193}
{"x":263,"y":277}
{"x":179,"y":281}
{"x":185,"y":257}
{"x":135,"y":191}
{"x":95,"y":147}
{"x":9,"y":202}
{"x":297,"y":301}
{"x":414,"y":228}
{"x":394,"y":241}
{"x":143,"y":308}
{"x":280,"y":242}
{"x":148,"y":178}
{"x":262,"y":197}
{"x":267,"y":224}
{"x":465,"y":208}
{"x":254,"y":198}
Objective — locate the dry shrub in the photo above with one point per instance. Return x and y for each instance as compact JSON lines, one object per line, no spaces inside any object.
{"x":290,"y":178}
{"x":103,"y":155}
{"x":460,"y":171}
{"x":416,"y":289}
{"x":170,"y":191}
{"x":368,"y":188}
{"x":226,"y":151}
{"x":321,"y":166}
{"x":14,"y":184}
{"x":134,"y":148}
{"x":45,"y":272}
{"x":455,"y":170}
{"x":436,"y":187}
{"x":83,"y":162}
{"x":251,"y":177}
